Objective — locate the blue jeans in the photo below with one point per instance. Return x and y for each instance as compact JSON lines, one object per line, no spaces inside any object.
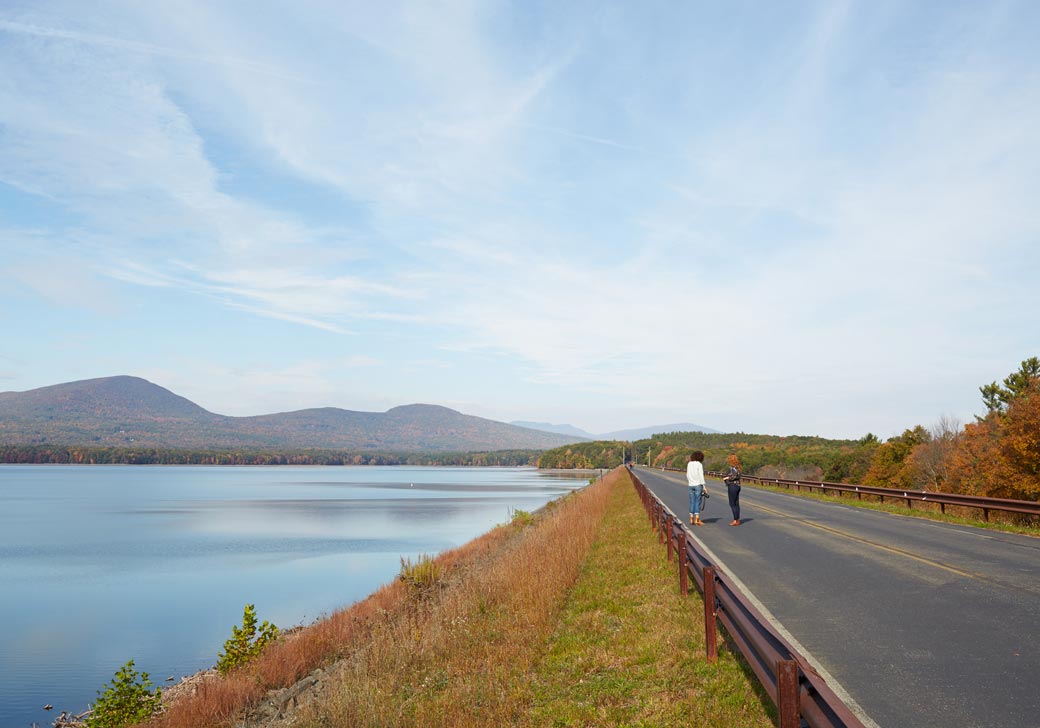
{"x":696,"y":499}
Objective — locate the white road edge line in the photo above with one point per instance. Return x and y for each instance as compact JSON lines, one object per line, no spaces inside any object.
{"x":837,"y":687}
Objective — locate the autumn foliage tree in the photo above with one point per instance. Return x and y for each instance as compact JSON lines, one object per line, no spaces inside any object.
{"x":998,"y":398}
{"x":999,"y":454}
{"x":891,"y":466}
{"x":931,"y":461}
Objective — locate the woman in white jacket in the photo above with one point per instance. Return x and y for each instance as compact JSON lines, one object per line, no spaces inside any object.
{"x":695,"y":483}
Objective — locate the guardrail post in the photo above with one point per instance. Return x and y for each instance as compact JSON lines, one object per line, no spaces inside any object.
{"x":787,"y":693}
{"x":710,"y":638}
{"x":669,"y":529}
{"x":985,"y":515}
{"x":661,"y":519}
{"x":684,"y":576}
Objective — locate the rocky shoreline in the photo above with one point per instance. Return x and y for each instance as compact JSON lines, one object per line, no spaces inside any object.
{"x":276,"y":705}
{"x":188,"y":685}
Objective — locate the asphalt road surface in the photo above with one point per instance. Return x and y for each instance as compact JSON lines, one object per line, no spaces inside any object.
{"x":921,"y":623}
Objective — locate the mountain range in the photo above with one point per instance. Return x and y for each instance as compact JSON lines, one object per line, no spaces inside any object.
{"x":638,"y":433}
{"x":126,"y":411}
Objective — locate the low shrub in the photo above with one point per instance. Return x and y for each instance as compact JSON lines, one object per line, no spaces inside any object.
{"x":521,"y":518}
{"x":128,"y":699}
{"x":422,"y":576}
{"x":246,"y":641}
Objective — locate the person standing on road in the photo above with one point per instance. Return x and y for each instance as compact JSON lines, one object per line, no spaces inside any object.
{"x":732,"y":481}
{"x":695,"y":483}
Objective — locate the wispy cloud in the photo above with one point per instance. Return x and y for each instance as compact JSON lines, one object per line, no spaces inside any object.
{"x":597,"y":208}
{"x":134,"y":46}
{"x":583,"y":137}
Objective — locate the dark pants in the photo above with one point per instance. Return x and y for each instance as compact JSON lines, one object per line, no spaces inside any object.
{"x":733,"y":490}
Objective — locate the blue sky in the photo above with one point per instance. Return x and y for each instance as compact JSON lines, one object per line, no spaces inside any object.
{"x":806,"y":217}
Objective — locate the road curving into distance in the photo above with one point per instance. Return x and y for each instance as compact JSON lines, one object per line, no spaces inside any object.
{"x":922,"y":623}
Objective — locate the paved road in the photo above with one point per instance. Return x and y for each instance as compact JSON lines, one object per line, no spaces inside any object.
{"x":922,"y":623}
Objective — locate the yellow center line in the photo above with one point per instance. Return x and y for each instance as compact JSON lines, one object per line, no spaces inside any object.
{"x":868,"y":542}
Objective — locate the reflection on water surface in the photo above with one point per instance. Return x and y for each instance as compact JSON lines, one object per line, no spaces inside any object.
{"x":101,"y":564}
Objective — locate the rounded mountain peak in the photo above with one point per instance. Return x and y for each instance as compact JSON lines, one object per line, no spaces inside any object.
{"x":120,"y":396}
{"x":421,"y":409}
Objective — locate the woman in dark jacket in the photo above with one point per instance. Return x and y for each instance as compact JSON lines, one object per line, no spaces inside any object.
{"x":732,"y":481}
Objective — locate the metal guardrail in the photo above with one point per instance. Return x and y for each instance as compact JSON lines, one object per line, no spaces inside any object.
{"x":801,"y":695}
{"x":983,"y":503}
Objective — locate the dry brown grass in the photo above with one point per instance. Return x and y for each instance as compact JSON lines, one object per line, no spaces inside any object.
{"x":465,"y":660}
{"x":218,"y":701}
{"x":465,"y":646}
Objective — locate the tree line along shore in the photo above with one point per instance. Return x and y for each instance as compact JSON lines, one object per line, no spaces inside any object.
{"x":997,"y":455}
{"x":88,"y":455}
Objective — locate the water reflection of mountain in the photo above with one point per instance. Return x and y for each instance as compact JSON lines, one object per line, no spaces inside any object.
{"x":157,"y":562}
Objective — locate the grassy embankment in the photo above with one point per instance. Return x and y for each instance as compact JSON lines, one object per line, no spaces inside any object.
{"x":572,"y":618}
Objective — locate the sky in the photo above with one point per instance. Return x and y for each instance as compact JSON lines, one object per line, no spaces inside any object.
{"x":788,"y":218}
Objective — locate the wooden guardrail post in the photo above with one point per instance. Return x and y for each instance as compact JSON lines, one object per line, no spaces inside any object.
{"x":787,"y":693}
{"x":669,"y":529}
{"x":710,"y":637}
{"x":662,"y":518}
{"x":684,"y":576}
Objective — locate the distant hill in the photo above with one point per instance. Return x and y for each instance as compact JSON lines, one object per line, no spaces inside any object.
{"x":559,"y":429}
{"x":128,"y":411}
{"x":626,"y":435}
{"x":641,"y":433}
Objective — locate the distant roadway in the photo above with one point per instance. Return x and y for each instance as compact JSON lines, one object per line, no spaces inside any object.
{"x":924,"y":624}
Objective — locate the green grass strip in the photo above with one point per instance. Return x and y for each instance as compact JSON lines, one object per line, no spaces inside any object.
{"x":629,"y":650}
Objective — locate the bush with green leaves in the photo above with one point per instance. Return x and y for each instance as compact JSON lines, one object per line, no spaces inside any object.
{"x":422,"y":575}
{"x":246,"y":641}
{"x":128,"y":699}
{"x":520,"y":518}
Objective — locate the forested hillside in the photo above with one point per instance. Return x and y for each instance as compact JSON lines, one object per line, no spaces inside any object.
{"x":130,"y":412}
{"x":596,"y":454}
{"x":38,"y":454}
{"x":998,"y":455}
{"x":805,"y":455}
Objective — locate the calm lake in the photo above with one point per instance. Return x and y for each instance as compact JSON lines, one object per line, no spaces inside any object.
{"x":102,"y":564}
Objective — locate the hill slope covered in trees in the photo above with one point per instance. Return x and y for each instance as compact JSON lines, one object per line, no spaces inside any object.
{"x":998,"y":455}
{"x":133,"y":412}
